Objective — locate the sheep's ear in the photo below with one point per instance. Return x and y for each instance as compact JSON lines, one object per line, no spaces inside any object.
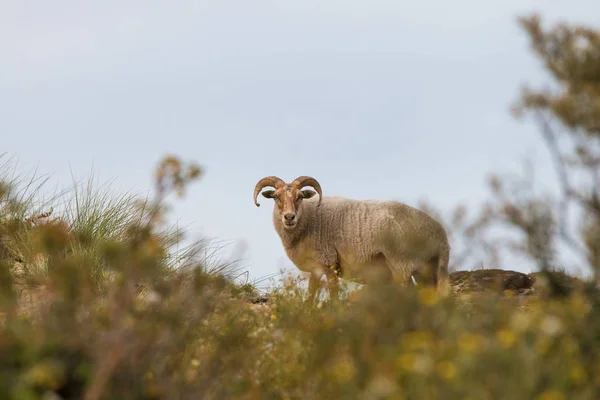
{"x":307,"y":194}
{"x":268,"y":194}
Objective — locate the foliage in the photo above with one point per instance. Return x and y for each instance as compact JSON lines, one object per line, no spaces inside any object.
{"x":559,"y":229}
{"x":96,"y":304}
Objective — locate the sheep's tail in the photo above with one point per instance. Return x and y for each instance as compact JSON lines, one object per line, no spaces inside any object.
{"x":442,"y":275}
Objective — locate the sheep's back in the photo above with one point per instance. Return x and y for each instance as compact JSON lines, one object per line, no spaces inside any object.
{"x":363,"y":227}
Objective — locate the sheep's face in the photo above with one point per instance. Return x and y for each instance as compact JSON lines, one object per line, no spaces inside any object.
{"x":288,"y":203}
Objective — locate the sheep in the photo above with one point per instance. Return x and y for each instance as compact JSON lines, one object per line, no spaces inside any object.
{"x":361,"y":241}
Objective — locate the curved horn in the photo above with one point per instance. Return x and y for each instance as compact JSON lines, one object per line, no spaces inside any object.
{"x":302,"y":181}
{"x":264,"y":182}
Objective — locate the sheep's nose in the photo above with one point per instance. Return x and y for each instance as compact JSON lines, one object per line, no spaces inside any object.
{"x":290,"y":216}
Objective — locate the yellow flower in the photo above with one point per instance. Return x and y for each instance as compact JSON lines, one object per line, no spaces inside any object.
{"x":446,"y":370}
{"x":578,"y":374}
{"x":471,"y":342}
{"x":418,"y":363}
{"x":418,"y":340}
{"x":428,"y":296}
{"x":506,"y":338}
{"x":405,"y":361}
{"x":48,"y":374}
{"x":551,"y":395}
{"x":343,"y":369}
{"x":580,"y":306}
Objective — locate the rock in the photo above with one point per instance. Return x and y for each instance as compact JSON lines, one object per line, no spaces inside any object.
{"x":498,"y":280}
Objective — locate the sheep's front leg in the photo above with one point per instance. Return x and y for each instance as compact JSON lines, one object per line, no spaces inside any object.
{"x":314,"y":283}
{"x":333,"y":283}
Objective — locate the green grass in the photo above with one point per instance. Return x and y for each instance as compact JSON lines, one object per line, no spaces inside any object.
{"x":94,"y":213}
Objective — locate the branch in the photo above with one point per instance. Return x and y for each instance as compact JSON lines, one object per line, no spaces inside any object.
{"x":563,"y":179}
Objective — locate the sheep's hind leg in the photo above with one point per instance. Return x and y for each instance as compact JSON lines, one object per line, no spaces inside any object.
{"x":402,"y":272}
{"x":426,"y":274}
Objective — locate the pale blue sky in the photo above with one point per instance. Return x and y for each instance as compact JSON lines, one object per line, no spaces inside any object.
{"x":378,"y":99}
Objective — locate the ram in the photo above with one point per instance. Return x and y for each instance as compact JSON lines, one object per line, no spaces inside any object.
{"x":362,"y":241}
